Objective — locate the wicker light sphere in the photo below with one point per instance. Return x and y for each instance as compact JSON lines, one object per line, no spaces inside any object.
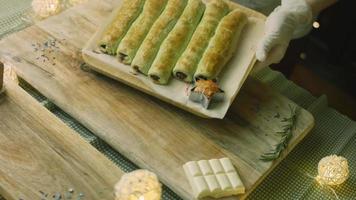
{"x":332,"y":170}
{"x":138,"y":185}
{"x":46,"y":8}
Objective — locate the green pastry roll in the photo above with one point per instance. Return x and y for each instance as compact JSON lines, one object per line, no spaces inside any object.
{"x":139,"y":29}
{"x":222,"y":45}
{"x":188,"y":62}
{"x":176,"y":41}
{"x":126,"y":15}
{"x":159,"y":31}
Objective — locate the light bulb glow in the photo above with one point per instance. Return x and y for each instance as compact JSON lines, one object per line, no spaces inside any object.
{"x":138,"y":185}
{"x":332,"y":170}
{"x":316,"y":24}
{"x":46,"y":8}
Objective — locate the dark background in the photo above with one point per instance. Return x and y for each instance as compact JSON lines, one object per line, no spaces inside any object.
{"x":324,"y":61}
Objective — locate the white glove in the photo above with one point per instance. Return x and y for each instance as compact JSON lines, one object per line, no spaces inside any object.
{"x":291,"y":20}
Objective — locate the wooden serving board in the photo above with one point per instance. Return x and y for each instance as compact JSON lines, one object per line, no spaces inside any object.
{"x":175,"y":92}
{"x":40,"y":155}
{"x":151,"y":133}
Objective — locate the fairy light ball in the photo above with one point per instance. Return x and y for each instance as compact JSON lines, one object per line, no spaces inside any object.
{"x":332,"y":170}
{"x":138,"y":185}
{"x":46,"y":8}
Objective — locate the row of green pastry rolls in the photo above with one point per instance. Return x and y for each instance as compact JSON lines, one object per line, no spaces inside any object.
{"x":188,"y":62}
{"x":129,"y":45}
{"x":125,"y":16}
{"x":159,"y":31}
{"x":176,"y":41}
{"x":222,"y":45}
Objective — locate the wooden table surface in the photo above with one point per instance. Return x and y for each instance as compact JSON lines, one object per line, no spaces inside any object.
{"x":151,"y":133}
{"x":40,"y":154}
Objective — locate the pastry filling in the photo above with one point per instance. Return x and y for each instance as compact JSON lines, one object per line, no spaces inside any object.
{"x":122,"y":56}
{"x":202,"y":77}
{"x":155,"y":77}
{"x":136,"y":68}
{"x":103,"y":47}
{"x":181,"y":75}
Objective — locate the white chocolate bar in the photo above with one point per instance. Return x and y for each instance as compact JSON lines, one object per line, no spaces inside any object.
{"x":215,"y":178}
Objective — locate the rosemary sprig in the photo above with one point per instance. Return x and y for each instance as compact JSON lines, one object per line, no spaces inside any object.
{"x":286,"y":135}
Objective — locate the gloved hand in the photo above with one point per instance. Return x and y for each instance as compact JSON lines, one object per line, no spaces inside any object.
{"x":291,"y":20}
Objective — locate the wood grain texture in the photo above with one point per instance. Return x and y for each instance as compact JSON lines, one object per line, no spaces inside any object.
{"x":151,"y":133}
{"x":40,"y":153}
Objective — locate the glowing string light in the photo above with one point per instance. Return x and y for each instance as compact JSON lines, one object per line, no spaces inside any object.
{"x":316,"y":24}
{"x":332,"y":170}
{"x":138,"y":185}
{"x":46,"y":8}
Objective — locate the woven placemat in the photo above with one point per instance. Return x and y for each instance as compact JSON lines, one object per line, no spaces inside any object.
{"x":11,"y":12}
{"x":334,"y":133}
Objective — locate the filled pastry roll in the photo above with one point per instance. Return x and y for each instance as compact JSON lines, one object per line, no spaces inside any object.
{"x":222,"y":45}
{"x":176,"y":41}
{"x":125,"y":16}
{"x":188,"y":62}
{"x":139,"y":29}
{"x":159,"y":31}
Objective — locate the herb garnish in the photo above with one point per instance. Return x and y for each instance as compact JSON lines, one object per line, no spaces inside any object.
{"x":286,"y":135}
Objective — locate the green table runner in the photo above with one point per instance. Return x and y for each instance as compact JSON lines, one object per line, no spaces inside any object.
{"x":11,"y":12}
{"x":333,"y":133}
